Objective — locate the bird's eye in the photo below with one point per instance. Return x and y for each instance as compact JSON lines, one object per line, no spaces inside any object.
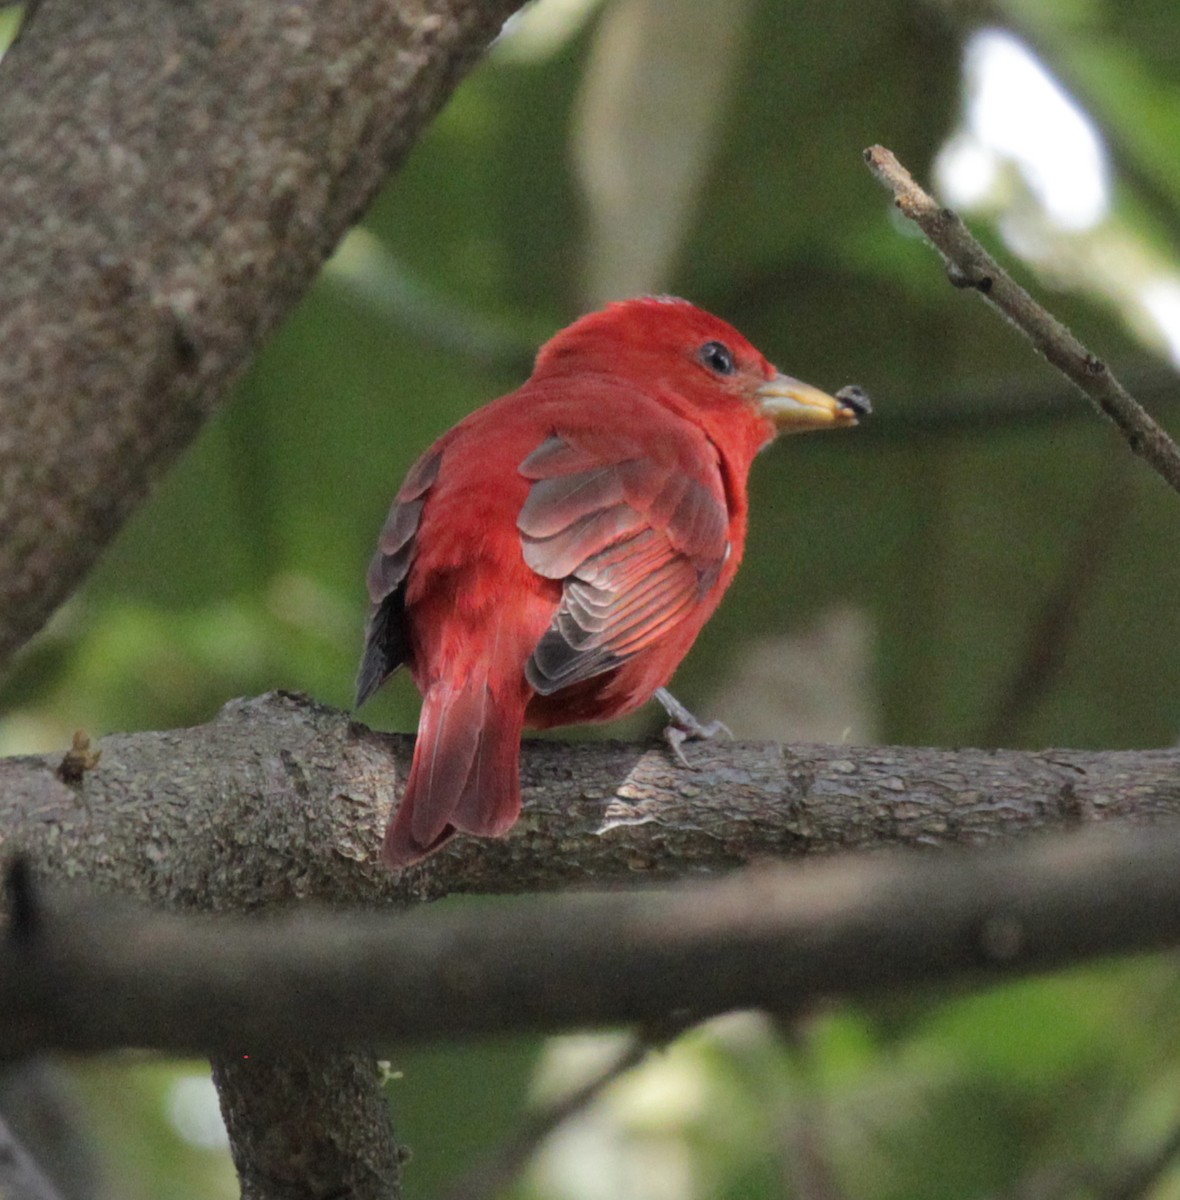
{"x":718,"y":357}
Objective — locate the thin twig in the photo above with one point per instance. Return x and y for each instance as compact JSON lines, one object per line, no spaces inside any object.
{"x":1052,"y":626}
{"x":970,"y":265}
{"x":503,"y":1165}
{"x":808,"y":1170}
{"x":1004,"y":404}
{"x":1131,"y":1177}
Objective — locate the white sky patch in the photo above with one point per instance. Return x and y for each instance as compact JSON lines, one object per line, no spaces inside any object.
{"x":541,"y":29}
{"x":1162,"y":301}
{"x":969,"y":170}
{"x":1017,"y":111}
{"x":195,"y":1113}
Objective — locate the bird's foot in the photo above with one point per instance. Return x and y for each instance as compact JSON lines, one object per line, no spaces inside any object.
{"x":684,"y":727}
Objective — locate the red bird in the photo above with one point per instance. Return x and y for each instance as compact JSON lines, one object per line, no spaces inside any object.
{"x":552,"y":558}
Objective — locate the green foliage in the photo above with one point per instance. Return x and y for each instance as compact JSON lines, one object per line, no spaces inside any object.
{"x":245,"y":572}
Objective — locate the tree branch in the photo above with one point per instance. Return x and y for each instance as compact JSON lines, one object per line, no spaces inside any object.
{"x":282,"y":799}
{"x":492,"y":1175}
{"x":1055,"y":621}
{"x":40,"y":1103}
{"x":172,"y":177}
{"x":96,"y":975}
{"x":1136,"y":1177}
{"x":970,"y":265}
{"x":308,"y":1123}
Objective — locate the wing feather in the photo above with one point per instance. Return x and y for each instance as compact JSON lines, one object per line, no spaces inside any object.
{"x":387,"y":638}
{"x":635,"y":542}
{"x":560,"y":554}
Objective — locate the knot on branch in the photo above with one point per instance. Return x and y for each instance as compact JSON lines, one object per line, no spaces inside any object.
{"x":961,"y":278}
{"x":78,"y":759}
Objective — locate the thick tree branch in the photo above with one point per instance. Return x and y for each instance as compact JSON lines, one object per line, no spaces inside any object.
{"x":95,"y":975}
{"x":171,"y":178}
{"x":281,"y":799}
{"x":308,"y":1123}
{"x":970,"y":265}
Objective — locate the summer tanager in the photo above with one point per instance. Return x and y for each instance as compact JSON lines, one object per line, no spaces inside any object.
{"x":551,"y":559}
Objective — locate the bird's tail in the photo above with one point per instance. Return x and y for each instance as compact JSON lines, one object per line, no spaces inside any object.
{"x":465,"y":775}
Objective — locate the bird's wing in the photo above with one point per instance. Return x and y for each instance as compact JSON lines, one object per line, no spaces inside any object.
{"x":636,"y":544}
{"x":386,"y":634}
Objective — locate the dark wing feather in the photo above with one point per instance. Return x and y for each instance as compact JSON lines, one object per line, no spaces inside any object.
{"x":635,"y":543}
{"x":387,"y":641}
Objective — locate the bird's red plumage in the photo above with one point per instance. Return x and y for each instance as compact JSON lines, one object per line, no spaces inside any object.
{"x":551,"y":559}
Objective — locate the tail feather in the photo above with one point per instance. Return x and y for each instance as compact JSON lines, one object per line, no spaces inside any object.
{"x":490,"y":800}
{"x":465,"y":771}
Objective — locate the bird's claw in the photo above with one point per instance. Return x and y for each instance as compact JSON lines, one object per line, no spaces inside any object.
{"x":684,"y":727}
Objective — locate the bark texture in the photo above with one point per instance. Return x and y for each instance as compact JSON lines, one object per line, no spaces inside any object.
{"x":281,"y":799}
{"x":308,"y":1124}
{"x":172,"y":177}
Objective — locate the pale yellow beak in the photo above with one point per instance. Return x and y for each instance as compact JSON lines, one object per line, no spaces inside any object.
{"x":795,"y":407}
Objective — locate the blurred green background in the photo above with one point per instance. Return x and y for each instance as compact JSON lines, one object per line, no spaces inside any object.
{"x":982,"y":563}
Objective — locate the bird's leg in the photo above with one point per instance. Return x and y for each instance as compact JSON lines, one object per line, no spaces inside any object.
{"x":683,"y":726}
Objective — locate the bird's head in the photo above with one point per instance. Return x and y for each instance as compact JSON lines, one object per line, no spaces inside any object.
{"x":699,"y":364}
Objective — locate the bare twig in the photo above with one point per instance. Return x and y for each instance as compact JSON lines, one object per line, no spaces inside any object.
{"x":1007,"y":403}
{"x":98,"y":975}
{"x":970,"y":265}
{"x":500,"y":1168}
{"x":1129,"y":1177}
{"x":1052,"y":626}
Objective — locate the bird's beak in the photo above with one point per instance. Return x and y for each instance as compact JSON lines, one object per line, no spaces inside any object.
{"x":794,"y":407}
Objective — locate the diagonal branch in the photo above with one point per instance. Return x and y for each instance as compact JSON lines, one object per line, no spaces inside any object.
{"x":1135,"y":1177}
{"x":172,"y":177}
{"x":970,"y":265}
{"x":497,"y":1171}
{"x":1053,"y":625}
